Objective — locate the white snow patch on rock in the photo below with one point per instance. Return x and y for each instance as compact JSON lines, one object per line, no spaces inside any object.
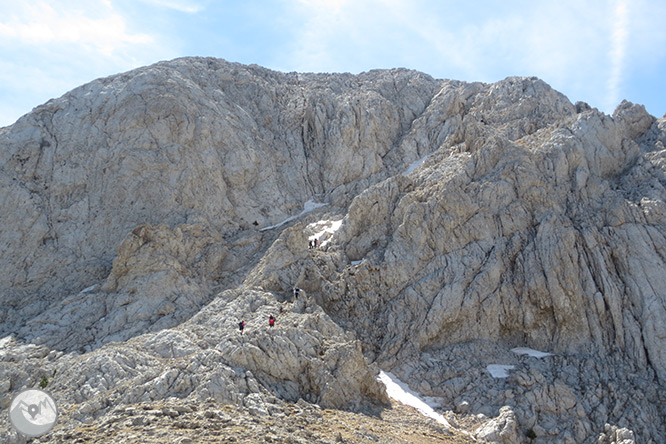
{"x":399,"y":391}
{"x":330,"y":227}
{"x":530,"y":352}
{"x":499,"y":370}
{"x":309,"y":206}
{"x":415,"y":165}
{"x":89,"y":289}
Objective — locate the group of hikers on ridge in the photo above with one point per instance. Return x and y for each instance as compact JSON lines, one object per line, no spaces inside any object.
{"x":271,"y":323}
{"x":313,"y":243}
{"x":271,"y":318}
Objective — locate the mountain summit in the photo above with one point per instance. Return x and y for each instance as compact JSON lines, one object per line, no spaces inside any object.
{"x":496,"y":247}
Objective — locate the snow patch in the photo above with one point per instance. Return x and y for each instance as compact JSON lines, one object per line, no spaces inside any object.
{"x":354,"y":263}
{"x":309,"y":206}
{"x":89,"y":289}
{"x":530,"y":352}
{"x":399,"y":391}
{"x":499,"y":370}
{"x":415,"y":165}
{"x":330,"y":227}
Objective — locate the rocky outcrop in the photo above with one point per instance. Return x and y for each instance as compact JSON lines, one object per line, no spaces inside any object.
{"x":193,"y":141}
{"x":186,"y":422}
{"x":306,"y":356}
{"x":503,"y":429}
{"x":147,"y":213}
{"x":553,"y":241}
{"x":160,"y":277}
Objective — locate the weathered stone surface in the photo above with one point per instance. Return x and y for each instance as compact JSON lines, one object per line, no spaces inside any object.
{"x":502,"y":429}
{"x":182,"y":421}
{"x":142,"y":220}
{"x":192,"y":141}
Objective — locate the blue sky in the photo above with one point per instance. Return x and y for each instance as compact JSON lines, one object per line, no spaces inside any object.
{"x":597,"y":51}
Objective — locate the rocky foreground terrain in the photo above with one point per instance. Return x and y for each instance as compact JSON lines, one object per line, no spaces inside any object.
{"x":462,"y":227}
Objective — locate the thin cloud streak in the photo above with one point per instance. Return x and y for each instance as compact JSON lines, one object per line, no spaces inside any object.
{"x":596,"y":51}
{"x":559,"y":43}
{"x":570,"y":45}
{"x":44,"y":24}
{"x":180,"y":6}
{"x":325,"y":19}
{"x":51,"y":48}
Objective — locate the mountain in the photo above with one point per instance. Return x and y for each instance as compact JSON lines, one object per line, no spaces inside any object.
{"x":461,"y":227}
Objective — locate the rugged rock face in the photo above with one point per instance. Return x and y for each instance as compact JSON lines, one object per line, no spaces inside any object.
{"x":191,"y":141}
{"x":146,"y":214}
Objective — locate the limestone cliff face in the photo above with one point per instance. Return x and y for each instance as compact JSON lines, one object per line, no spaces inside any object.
{"x":143,"y":219}
{"x":195,"y":141}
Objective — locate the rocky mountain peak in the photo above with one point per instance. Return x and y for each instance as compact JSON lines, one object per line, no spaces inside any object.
{"x":146,"y":214}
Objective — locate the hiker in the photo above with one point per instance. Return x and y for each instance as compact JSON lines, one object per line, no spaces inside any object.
{"x":271,"y":321}
{"x":296,"y":291}
{"x":316,"y":243}
{"x":310,"y":245}
{"x":241,"y":326}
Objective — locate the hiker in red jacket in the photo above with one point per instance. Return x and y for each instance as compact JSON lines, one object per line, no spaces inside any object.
{"x":271,"y":321}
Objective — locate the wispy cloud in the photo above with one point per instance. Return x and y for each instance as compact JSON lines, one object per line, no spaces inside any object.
{"x":597,"y":51}
{"x":474,"y":43}
{"x":51,"y":47}
{"x":44,"y":24}
{"x":618,"y":51}
{"x":187,"y":6}
{"x":334,"y":6}
{"x":565,"y":43}
{"x":323,"y":20}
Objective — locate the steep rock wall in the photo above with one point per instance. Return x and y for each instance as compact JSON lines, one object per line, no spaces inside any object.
{"x":194,"y":141}
{"x":143,"y":219}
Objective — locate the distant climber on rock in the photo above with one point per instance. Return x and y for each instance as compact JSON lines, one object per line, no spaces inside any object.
{"x":310,"y":245}
{"x":241,"y":326}
{"x":271,"y":321}
{"x":296,"y":292}
{"x":316,"y":243}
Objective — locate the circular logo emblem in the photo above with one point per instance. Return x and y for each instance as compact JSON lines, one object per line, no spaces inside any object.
{"x":33,"y":412}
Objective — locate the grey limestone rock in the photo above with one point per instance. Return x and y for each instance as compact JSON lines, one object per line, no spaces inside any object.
{"x":147,"y":213}
{"x":502,"y":429}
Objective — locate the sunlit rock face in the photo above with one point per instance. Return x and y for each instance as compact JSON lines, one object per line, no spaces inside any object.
{"x":146,"y":214}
